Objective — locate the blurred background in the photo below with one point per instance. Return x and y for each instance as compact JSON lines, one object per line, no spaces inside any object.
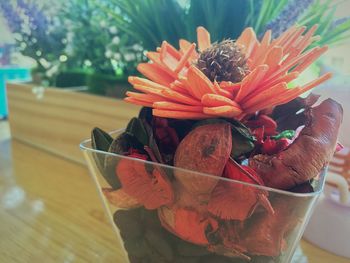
{"x":93,"y":45}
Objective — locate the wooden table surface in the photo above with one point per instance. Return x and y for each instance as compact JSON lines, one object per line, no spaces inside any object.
{"x":50,"y":211}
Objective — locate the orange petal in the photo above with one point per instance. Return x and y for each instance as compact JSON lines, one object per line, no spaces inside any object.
{"x":248,"y":40}
{"x":164,"y":105}
{"x":155,"y":58}
{"x":184,"y":45}
{"x":306,"y":63}
{"x":294,"y":40}
{"x":154,"y":73}
{"x":182,"y":98}
{"x":303,"y":43}
{"x":184,"y":59}
{"x":287,"y":65}
{"x":144,"y":97}
{"x":283,"y":38}
{"x":213,"y":100}
{"x":138,"y":102}
{"x":273,"y":58}
{"x":149,"y":90}
{"x":284,"y":78}
{"x":260,"y":55}
{"x":167,"y":58}
{"x":178,"y":87}
{"x":251,"y":81}
{"x":144,"y":82}
{"x":180,"y":114}
{"x":171,"y":50}
{"x":230,"y":86}
{"x":223,"y":111}
{"x":278,"y":99}
{"x":316,"y":82}
{"x":199,"y":83}
{"x":223,"y":92}
{"x":264,"y":95}
{"x":203,"y":38}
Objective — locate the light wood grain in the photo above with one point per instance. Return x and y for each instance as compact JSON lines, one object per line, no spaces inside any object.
{"x":59,"y":120}
{"x":50,"y":210}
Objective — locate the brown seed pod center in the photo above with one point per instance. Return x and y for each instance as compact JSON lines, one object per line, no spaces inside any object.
{"x":223,"y":61}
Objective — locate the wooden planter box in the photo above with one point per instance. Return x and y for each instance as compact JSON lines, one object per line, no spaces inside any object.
{"x":58,"y":120}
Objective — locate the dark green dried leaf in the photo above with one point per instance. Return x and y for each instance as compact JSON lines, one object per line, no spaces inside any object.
{"x":137,"y":129}
{"x":142,"y":131}
{"x":152,"y":142}
{"x":100,"y":139}
{"x":241,"y":129}
{"x":240,"y":144}
{"x":120,"y":145}
{"x":146,"y":114}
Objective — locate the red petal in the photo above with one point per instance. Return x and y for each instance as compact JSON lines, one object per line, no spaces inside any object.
{"x":264,"y":121}
{"x":150,"y":189}
{"x":235,"y":201}
{"x":242,"y":173}
{"x":187,"y":224}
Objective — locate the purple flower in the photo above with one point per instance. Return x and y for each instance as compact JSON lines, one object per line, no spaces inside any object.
{"x":288,"y":16}
{"x":37,"y":29}
{"x":338,"y":22}
{"x":11,"y":15}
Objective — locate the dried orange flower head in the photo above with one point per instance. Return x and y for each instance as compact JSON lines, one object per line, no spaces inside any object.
{"x":229,"y":79}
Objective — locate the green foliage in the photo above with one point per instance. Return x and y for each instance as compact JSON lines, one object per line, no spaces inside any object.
{"x":262,"y":12}
{"x":152,"y":21}
{"x":222,"y":18}
{"x":331,"y":31}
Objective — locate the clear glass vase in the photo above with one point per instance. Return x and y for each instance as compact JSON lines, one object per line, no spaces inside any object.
{"x":202,"y":218}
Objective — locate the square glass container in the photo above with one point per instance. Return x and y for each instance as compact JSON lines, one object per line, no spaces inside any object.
{"x":191,"y":228}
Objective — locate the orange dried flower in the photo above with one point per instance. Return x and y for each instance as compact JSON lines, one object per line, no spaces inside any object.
{"x":176,"y":87}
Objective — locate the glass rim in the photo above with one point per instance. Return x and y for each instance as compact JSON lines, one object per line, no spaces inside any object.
{"x":84,"y":147}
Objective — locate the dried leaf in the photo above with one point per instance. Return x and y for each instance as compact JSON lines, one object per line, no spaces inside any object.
{"x":291,"y":115}
{"x":205,"y":149}
{"x":120,"y":145}
{"x":100,"y":140}
{"x":137,"y":129}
